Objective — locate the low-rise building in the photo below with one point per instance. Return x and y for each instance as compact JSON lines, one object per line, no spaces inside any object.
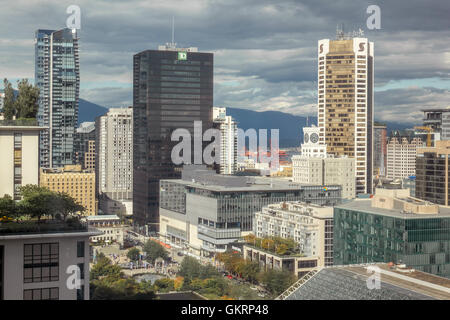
{"x":309,"y":225}
{"x":77,"y":182}
{"x":208,"y":212}
{"x":393,"y":227}
{"x":297,"y":264}
{"x":110,"y":227}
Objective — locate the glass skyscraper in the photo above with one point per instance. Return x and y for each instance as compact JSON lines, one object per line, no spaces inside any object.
{"x":172,"y":88}
{"x":57,"y":75}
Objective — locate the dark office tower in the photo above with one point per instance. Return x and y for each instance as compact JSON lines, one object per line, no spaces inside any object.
{"x":172,"y":88}
{"x":57,"y":75}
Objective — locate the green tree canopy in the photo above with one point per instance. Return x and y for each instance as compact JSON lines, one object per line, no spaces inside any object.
{"x":154,"y":250}
{"x":25,"y":105}
{"x":133,"y":254}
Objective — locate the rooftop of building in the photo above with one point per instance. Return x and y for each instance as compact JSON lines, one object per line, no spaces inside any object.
{"x":86,"y":127}
{"x":350,"y":283}
{"x":20,"y":124}
{"x":32,"y":228}
{"x":203,"y":178}
{"x":76,"y":168}
{"x":365,"y":205}
{"x":102,"y":217}
{"x":447,"y":109}
{"x":303,"y":208}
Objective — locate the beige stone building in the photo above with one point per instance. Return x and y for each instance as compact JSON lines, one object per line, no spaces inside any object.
{"x":75,"y":181}
{"x":345,"y":102}
{"x":19,"y":161}
{"x":326,"y":171}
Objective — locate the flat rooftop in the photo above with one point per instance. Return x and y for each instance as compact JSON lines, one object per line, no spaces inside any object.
{"x":253,"y":184}
{"x":365,"y":205}
{"x":350,"y":283}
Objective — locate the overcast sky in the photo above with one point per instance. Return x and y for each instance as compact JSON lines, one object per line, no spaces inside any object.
{"x":264,"y":51}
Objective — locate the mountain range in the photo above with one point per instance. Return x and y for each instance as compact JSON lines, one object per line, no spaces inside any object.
{"x":289,"y":125}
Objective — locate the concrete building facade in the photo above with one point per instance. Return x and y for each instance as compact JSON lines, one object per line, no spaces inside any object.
{"x":401,"y":155}
{"x":39,"y":266}
{"x":326,"y":171}
{"x":114,"y":161}
{"x":19,"y":162}
{"x":311,"y":226}
{"x":229,"y":140}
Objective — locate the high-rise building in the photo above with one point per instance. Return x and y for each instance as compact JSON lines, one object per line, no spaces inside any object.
{"x":114,"y":165}
{"x":76,"y":182}
{"x":379,"y":149}
{"x":401,"y":155}
{"x":439,"y":121}
{"x":82,"y":142}
{"x":432,"y":173}
{"x":19,"y":162}
{"x":172,"y":88}
{"x":229,"y":140}
{"x":345,"y":102}
{"x":393,"y":227}
{"x":57,"y":75}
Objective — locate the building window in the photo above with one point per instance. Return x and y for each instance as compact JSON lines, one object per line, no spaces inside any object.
{"x":41,"y":262}
{"x":81,"y":266}
{"x":80,"y":293}
{"x":41,"y":294}
{"x":80,"y":249}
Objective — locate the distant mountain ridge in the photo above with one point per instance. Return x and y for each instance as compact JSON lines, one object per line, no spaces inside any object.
{"x":290,"y":125}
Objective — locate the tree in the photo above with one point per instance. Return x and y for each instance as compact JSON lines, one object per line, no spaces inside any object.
{"x":189,"y":268}
{"x":154,"y":250}
{"x":27,"y":100}
{"x":38,"y":201}
{"x":9,"y":107}
{"x":104,"y":268}
{"x":8,"y":208}
{"x":277,"y":281}
{"x":65,"y":205}
{"x":164,"y":285}
{"x":133,"y":254}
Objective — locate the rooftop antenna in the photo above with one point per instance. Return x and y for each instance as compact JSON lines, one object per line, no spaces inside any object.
{"x":173,"y":29}
{"x":172,"y":45}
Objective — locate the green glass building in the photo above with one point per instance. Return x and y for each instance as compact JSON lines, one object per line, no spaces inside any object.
{"x":364,"y":234}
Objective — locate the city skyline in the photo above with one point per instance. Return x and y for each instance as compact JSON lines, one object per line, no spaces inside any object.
{"x":267,"y":65}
